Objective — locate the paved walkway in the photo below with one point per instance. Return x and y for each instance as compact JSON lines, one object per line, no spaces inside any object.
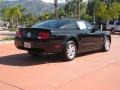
{"x":89,"y":71}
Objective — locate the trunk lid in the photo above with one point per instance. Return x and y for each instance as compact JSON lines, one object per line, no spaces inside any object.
{"x":35,"y":33}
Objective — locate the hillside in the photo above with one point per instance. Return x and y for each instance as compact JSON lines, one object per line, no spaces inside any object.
{"x":32,"y":6}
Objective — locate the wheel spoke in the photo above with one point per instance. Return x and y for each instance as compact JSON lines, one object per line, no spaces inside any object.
{"x":107,"y":44}
{"x":71,"y":50}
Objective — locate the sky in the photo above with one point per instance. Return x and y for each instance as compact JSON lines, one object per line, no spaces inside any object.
{"x":51,"y":1}
{"x":48,"y":1}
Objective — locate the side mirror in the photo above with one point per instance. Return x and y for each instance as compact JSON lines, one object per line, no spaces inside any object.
{"x":95,"y":28}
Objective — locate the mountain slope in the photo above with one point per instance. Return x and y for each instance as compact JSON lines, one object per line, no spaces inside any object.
{"x":32,"y":6}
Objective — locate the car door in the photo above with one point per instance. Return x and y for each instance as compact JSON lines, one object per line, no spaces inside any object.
{"x":117,"y":27}
{"x":81,"y":36}
{"x":91,"y":39}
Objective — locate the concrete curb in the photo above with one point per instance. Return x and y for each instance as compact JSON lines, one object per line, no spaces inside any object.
{"x":6,"y":42}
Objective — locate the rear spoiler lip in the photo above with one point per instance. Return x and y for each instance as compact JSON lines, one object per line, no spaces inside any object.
{"x":35,"y":28}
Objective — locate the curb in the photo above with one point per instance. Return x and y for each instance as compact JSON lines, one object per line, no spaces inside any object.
{"x":3,"y":31}
{"x":6,"y":42}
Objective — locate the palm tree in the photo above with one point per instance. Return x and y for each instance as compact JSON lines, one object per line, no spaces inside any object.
{"x":16,"y":14}
{"x":56,"y":8}
{"x":74,"y":7}
{"x":78,"y":9}
{"x":92,"y":6}
{"x":12,"y":14}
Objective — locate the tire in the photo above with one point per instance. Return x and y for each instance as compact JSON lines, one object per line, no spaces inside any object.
{"x":70,"y":50}
{"x":112,"y":30}
{"x":106,"y":46}
{"x":32,"y":53}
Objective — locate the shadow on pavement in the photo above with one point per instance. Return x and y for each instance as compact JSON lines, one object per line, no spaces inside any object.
{"x":26,"y":60}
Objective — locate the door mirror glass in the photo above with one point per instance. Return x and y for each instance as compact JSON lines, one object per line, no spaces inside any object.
{"x":95,"y":28}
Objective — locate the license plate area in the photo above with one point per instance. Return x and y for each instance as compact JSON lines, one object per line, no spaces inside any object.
{"x":27,"y":44}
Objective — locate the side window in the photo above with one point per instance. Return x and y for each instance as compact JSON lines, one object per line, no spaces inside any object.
{"x":88,"y":25}
{"x":70,"y":26}
{"x":81,"y":25}
{"x":111,"y":22}
{"x":118,"y":23}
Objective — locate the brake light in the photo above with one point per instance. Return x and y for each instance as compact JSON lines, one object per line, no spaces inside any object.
{"x":19,"y":34}
{"x":44,"y":35}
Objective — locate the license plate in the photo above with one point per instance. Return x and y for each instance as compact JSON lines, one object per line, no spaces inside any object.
{"x":27,"y":45}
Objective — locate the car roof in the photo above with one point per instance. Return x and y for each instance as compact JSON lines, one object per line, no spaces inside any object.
{"x":69,"y":20}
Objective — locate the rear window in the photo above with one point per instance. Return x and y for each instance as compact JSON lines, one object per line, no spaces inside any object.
{"x":111,"y":22}
{"x":50,"y":24}
{"x":117,"y":23}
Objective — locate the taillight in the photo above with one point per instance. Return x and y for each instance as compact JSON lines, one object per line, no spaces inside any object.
{"x":19,"y":34}
{"x":43,"y":35}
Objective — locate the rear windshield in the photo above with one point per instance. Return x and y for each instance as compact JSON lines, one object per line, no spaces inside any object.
{"x":111,"y":22}
{"x":50,"y":24}
{"x":117,"y":23}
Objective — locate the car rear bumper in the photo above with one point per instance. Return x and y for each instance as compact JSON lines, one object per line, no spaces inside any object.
{"x":51,"y":46}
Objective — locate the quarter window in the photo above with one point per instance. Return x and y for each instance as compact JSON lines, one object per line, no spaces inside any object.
{"x":88,"y":25}
{"x":70,"y":26}
{"x":82,"y":25}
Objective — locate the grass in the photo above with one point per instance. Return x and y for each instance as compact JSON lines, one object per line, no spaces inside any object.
{"x":13,"y":30}
{"x":8,"y":38}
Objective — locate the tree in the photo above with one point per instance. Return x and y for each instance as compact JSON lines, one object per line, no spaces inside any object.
{"x":0,"y":9}
{"x":73,"y":8}
{"x":6,"y":14}
{"x":16,"y":15}
{"x":106,"y":12}
{"x":92,"y":6}
{"x":114,"y":10}
{"x":12,"y":15}
{"x":61,"y":13}
{"x":29,"y":19}
{"x":102,"y":12}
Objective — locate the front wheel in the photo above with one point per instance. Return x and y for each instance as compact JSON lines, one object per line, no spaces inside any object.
{"x":70,"y":50}
{"x":106,"y":46}
{"x":112,"y":30}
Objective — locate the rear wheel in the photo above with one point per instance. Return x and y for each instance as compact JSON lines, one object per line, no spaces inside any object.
{"x":106,"y":46}
{"x":70,"y":50}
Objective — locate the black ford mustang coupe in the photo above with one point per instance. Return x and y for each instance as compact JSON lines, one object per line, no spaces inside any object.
{"x":67,"y":36}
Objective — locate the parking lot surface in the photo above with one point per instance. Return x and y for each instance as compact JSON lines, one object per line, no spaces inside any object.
{"x":88,"y":71}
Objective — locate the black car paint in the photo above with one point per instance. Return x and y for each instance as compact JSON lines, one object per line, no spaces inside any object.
{"x":86,"y":40}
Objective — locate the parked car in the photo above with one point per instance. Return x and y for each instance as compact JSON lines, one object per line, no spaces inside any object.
{"x":1,"y":28}
{"x":113,"y":26}
{"x":68,"y":37}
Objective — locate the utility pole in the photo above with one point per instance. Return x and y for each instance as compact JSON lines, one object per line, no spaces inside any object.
{"x":78,"y":4}
{"x":56,"y":8}
{"x":94,"y":10}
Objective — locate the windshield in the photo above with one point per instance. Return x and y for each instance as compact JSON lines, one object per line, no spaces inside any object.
{"x":50,"y":24}
{"x":111,"y":22}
